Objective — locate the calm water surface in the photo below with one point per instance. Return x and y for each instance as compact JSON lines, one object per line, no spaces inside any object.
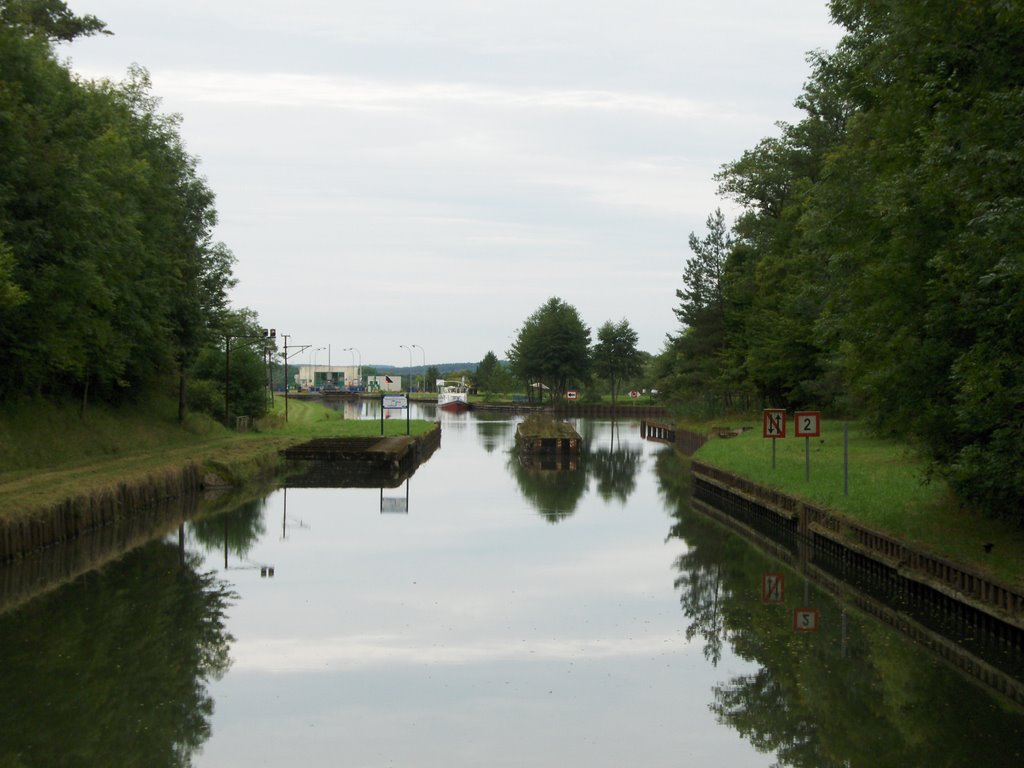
{"x":479,"y":614}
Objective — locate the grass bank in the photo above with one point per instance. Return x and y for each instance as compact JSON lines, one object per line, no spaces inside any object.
{"x":889,"y":490}
{"x":48,"y":453}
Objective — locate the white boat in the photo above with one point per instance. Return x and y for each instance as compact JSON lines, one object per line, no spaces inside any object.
{"x":452,"y":395}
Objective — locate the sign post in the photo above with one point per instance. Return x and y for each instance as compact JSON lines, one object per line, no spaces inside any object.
{"x":394,"y":401}
{"x":774,"y":427}
{"x":808,"y":425}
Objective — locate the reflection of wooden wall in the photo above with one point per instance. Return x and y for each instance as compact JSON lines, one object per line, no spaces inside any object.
{"x":779,"y":541}
{"x":45,"y":570}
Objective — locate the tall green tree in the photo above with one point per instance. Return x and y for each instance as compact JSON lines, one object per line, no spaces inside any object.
{"x":551,"y":349}
{"x":485,"y":371}
{"x":615,"y":355}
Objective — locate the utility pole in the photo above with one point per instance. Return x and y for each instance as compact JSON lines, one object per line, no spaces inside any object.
{"x":302,"y":347}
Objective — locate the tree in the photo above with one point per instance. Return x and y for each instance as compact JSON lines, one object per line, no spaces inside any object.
{"x":485,"y":371}
{"x":551,"y":349}
{"x":700,"y":299}
{"x":433,"y":374}
{"x":50,"y":18}
{"x":109,"y":278}
{"x":615,"y":356}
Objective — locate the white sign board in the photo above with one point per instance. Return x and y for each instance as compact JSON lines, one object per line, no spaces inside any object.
{"x":391,"y":504}
{"x":395,"y":401}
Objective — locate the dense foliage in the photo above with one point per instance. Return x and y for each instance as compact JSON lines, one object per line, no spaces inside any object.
{"x":877,"y":265}
{"x":110,"y":281}
{"x":552,"y":349}
{"x":615,"y":357}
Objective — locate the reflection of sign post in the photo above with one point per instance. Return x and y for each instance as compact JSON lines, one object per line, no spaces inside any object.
{"x":774,"y":427}
{"x":806,"y":620}
{"x":395,"y":504}
{"x":807,"y":424}
{"x":388,"y":402}
{"x":773,"y":588}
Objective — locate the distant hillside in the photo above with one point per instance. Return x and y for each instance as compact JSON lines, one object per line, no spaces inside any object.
{"x":417,"y":369}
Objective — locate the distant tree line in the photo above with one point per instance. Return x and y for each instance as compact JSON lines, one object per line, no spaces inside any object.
{"x":877,"y":265}
{"x":111,"y":283}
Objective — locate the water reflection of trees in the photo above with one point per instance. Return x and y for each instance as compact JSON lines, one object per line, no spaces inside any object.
{"x":615,"y":470}
{"x":112,"y":669}
{"x":239,"y":528}
{"x":493,"y":433}
{"x":555,"y":493}
{"x":857,"y":693}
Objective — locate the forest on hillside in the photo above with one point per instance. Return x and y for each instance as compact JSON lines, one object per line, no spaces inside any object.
{"x":876,"y":269}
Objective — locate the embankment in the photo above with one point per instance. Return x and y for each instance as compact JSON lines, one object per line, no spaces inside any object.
{"x":38,"y":528}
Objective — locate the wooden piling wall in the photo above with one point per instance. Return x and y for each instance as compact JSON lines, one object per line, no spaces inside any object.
{"x":81,"y":514}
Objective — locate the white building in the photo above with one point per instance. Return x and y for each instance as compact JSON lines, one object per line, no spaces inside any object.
{"x":316,"y":376}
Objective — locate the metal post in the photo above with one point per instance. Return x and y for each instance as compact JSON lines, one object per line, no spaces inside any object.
{"x":423,"y":357}
{"x":285,"y":335}
{"x":409,"y":350}
{"x":846,"y":459}
{"x":227,"y":376}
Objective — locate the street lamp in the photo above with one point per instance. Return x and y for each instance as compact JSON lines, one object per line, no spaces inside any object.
{"x":407,"y":349}
{"x":312,"y":382}
{"x":423,"y":356}
{"x":359,"y":370}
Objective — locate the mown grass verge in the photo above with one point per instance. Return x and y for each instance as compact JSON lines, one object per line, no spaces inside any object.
{"x":49,"y":454}
{"x":889,"y":490}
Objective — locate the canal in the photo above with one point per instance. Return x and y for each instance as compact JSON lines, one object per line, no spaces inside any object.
{"x":480,"y":613}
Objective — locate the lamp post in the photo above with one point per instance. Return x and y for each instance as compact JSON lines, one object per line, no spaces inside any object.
{"x":409,"y":350}
{"x":423,"y":356}
{"x":359,"y":372}
{"x":312,"y":361}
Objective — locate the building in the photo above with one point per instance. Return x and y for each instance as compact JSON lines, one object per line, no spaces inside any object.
{"x":388,"y":383}
{"x":318,"y":376}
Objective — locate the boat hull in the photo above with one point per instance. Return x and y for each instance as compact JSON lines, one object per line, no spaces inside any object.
{"x":453,"y":406}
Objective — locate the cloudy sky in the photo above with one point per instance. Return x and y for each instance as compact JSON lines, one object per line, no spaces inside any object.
{"x":429,"y":172}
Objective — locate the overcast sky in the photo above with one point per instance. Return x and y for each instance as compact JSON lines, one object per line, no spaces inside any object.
{"x":429,"y":172}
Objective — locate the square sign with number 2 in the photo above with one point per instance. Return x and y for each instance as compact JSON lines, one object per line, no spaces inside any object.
{"x":808,"y":423}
